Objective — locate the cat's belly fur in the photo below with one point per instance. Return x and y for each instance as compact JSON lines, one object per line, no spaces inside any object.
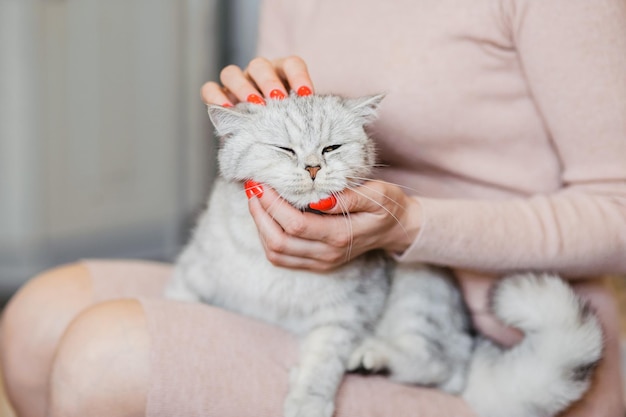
{"x":225,"y":265}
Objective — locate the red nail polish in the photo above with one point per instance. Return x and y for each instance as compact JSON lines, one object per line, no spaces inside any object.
{"x":277,"y":94}
{"x":253,"y":189}
{"x":304,"y":91}
{"x":255,"y":99}
{"x":324,"y":204}
{"x":227,"y":105}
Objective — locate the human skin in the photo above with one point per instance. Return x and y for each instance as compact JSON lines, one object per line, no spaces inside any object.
{"x":381,"y":215}
{"x":308,"y":241}
{"x":52,"y":327}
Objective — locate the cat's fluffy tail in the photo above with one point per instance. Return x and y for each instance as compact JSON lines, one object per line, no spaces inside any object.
{"x":551,"y":367}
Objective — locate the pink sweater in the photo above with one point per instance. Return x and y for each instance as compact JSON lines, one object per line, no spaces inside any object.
{"x":506,"y":118}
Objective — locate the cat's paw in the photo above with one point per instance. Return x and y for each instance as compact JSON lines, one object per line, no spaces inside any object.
{"x":371,"y":356}
{"x":308,"y":405}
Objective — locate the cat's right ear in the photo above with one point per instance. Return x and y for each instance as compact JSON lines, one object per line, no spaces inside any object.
{"x":227,"y":120}
{"x":365,"y":107}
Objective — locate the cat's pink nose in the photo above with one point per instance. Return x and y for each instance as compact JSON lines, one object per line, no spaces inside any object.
{"x":313,"y":170}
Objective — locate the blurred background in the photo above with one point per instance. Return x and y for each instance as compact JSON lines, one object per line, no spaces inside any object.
{"x":105,"y":145}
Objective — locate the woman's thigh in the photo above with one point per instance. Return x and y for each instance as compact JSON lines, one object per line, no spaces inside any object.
{"x":209,"y":362}
{"x":38,"y":315}
{"x":203,"y":361}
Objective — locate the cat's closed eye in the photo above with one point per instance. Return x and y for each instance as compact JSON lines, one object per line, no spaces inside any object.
{"x":285,"y":149}
{"x":330,"y":148}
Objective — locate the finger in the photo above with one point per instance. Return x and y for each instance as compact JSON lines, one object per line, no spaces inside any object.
{"x":290,"y":251}
{"x":212,"y":93}
{"x":293,"y":69}
{"x":477,"y":290}
{"x":368,"y":197}
{"x":234,"y":79}
{"x":286,"y":261}
{"x":264,"y":75}
{"x":335,"y":231}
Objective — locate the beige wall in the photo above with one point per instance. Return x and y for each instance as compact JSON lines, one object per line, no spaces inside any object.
{"x":104,"y":143}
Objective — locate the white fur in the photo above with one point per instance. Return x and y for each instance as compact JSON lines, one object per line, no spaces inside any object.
{"x":409,"y":320}
{"x":538,"y":377}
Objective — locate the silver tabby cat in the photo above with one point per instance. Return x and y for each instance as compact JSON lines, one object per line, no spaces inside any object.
{"x":370,"y":315}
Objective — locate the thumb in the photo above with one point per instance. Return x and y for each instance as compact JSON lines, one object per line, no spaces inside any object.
{"x":361,"y":199}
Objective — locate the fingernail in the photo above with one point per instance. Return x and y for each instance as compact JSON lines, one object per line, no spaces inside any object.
{"x":253,"y":189}
{"x":227,"y":105}
{"x":277,"y":94}
{"x":304,"y":91}
{"x":255,"y":99}
{"x":324,"y":204}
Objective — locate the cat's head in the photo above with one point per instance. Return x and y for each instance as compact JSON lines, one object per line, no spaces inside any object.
{"x":306,"y":148}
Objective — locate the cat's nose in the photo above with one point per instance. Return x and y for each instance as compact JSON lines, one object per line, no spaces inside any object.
{"x":313,"y":170}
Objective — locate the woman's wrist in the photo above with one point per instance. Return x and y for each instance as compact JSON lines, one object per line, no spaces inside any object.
{"x":407,"y":227}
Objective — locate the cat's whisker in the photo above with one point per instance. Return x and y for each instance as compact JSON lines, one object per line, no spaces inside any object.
{"x":277,"y":201}
{"x":387,"y":182}
{"x":382,"y":207}
{"x":353,"y":167}
{"x":381,"y":194}
{"x":359,"y":167}
{"x":346,"y":215}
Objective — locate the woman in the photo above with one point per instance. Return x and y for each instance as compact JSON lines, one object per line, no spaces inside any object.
{"x":505,"y":124}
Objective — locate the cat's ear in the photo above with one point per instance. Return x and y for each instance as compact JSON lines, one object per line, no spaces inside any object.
{"x":365,"y":107}
{"x":227,"y":120}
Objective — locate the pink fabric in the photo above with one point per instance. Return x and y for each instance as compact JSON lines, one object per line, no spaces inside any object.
{"x":506,"y":117}
{"x":208,"y":362}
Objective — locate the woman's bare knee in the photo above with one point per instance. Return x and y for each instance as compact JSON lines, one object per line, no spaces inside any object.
{"x":32,"y":324}
{"x":102,"y":364}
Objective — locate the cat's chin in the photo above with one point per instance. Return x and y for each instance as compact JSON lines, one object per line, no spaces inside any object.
{"x":303,"y":202}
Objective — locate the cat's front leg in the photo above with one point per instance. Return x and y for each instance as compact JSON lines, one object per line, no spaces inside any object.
{"x":323,"y":358}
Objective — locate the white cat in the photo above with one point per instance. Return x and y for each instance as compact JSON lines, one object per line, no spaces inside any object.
{"x":370,"y":314}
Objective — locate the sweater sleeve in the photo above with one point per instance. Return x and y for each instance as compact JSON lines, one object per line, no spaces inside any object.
{"x":574,"y":56}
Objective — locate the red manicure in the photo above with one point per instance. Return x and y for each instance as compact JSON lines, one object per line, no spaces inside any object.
{"x":253,"y":189}
{"x":277,"y":94}
{"x":304,"y":91}
{"x":227,"y":105}
{"x":255,"y":99}
{"x":324,"y":204}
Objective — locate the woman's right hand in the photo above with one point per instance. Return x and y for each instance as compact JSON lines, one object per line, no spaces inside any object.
{"x":260,"y":80}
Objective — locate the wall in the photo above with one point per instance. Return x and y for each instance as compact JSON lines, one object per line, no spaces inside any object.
{"x":105,"y":146}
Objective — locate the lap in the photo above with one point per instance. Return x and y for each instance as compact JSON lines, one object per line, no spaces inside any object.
{"x":209,"y":362}
{"x":113,"y":279}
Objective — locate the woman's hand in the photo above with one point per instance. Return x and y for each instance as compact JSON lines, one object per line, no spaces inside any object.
{"x":376,"y":215}
{"x":261,"y":79}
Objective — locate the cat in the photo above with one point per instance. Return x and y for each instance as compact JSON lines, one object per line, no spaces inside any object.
{"x":370,"y":315}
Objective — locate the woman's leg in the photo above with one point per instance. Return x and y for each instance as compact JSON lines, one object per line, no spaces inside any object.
{"x":604,"y":399}
{"x":207,"y":362}
{"x":191,"y":360}
{"x":32,"y":325}
{"x":102,"y":365}
{"x":163,"y":358}
{"x":37,"y":316}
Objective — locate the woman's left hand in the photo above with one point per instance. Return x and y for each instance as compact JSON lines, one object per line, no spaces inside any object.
{"x":375,"y":215}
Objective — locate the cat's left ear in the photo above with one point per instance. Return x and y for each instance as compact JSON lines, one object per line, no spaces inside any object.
{"x":365,"y":107}
{"x":227,"y":120}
